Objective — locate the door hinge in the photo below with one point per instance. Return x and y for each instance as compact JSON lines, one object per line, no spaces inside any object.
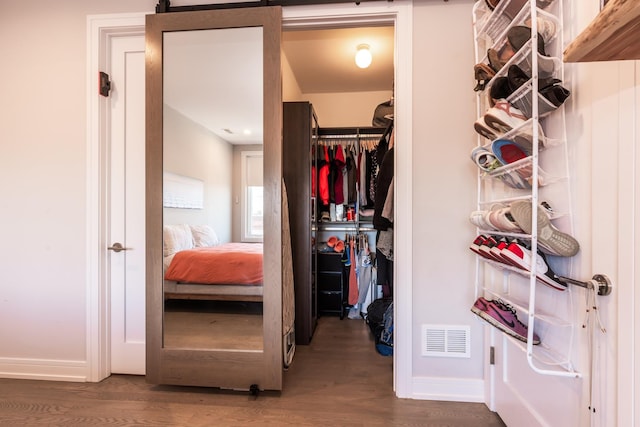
{"x":105,"y":84}
{"x":492,"y":355}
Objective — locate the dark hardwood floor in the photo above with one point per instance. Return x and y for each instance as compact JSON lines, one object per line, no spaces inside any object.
{"x":338,"y":380}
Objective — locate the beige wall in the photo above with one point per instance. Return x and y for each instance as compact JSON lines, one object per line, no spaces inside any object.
{"x":191,"y":150}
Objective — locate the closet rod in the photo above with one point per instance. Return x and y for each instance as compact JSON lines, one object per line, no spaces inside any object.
{"x":353,"y":136}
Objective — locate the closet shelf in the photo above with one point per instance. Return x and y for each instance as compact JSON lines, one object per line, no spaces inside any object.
{"x":611,"y":36}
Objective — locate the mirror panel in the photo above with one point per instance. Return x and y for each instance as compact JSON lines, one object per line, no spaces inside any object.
{"x":178,"y":359}
{"x":212,"y":120}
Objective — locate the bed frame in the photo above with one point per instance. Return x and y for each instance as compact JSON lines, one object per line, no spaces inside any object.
{"x":175,"y":290}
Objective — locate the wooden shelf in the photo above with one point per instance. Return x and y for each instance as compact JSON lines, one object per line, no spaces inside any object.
{"x":611,"y":36}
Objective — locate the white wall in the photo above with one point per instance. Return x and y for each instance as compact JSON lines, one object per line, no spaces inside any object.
{"x":43,"y":174}
{"x":346,"y":109}
{"x":444,"y":188}
{"x":193,"y":151}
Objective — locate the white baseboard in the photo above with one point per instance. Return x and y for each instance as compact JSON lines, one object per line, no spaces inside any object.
{"x":448,"y":389}
{"x":42,"y":369}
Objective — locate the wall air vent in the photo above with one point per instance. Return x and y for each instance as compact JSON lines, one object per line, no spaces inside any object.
{"x":446,"y":341}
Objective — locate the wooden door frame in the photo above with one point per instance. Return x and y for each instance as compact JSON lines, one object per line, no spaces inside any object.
{"x":400,"y":14}
{"x":100,"y":28}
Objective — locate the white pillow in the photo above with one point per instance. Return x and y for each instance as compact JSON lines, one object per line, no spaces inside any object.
{"x":204,"y":236}
{"x":177,"y":238}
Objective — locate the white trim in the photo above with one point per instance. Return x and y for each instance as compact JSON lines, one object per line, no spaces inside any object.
{"x":399,"y":12}
{"x":244,"y":203}
{"x":43,"y":369}
{"x":100,"y":29}
{"x":448,"y":389}
{"x":628,"y":217}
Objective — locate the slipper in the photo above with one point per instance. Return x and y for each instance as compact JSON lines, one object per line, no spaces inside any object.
{"x":550,"y":239}
{"x":331,"y":242}
{"x":339,"y":246}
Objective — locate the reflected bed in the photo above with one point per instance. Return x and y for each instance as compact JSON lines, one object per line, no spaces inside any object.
{"x":198,"y":267}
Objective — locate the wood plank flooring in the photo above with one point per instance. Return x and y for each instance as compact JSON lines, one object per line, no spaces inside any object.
{"x":338,"y":380}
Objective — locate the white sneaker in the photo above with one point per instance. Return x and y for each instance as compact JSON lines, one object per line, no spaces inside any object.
{"x":503,"y":117}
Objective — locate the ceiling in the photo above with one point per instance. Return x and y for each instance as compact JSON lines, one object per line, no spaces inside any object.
{"x":209,"y":75}
{"x":323,"y":60}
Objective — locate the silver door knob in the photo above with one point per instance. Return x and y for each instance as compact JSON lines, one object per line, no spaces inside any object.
{"x":117,"y":247}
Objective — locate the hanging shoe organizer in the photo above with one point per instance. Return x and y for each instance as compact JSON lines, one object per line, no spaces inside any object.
{"x":522,"y":156}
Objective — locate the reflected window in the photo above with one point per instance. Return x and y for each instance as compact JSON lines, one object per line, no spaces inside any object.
{"x":252,"y":188}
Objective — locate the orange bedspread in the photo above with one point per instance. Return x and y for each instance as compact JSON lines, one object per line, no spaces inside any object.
{"x":226,"y":264}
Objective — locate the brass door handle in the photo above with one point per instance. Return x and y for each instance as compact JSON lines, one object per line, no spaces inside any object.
{"x":117,"y":247}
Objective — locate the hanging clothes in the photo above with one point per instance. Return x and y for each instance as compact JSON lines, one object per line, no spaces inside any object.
{"x":323,"y":175}
{"x":353,"y":280}
{"x":337,"y":165}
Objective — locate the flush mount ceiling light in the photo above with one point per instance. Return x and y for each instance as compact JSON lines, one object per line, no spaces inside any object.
{"x":363,"y":56}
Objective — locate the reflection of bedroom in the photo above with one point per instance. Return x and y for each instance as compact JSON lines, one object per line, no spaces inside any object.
{"x":193,"y":152}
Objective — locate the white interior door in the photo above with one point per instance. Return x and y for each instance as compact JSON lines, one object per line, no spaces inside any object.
{"x":127,"y":205}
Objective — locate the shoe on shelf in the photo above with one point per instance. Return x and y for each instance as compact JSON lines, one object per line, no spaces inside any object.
{"x":486,"y":246}
{"x":519,"y":35}
{"x":483,"y":129}
{"x":508,"y":151}
{"x":504,"y":317}
{"x":496,"y":251}
{"x":479,"y":219}
{"x":480,"y":305}
{"x":502,"y":220}
{"x":503,"y":117}
{"x":546,"y":28}
{"x":520,"y":256}
{"x":477,"y":242}
{"x":483,"y":74}
{"x":550,"y":239}
{"x":485,"y":159}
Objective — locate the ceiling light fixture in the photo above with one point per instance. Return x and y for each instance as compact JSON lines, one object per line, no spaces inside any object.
{"x":363,"y":56}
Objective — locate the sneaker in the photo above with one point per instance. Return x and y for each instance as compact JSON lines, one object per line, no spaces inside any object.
{"x":550,"y":239}
{"x":485,"y":159}
{"x":504,"y":317}
{"x":508,"y":151}
{"x":480,"y":220}
{"x":485,"y":248}
{"x":519,"y":35}
{"x":546,"y":28}
{"x":518,"y":255}
{"x":480,"y":305}
{"x":503,"y":117}
{"x":482,"y":244}
{"x":496,"y":251}
{"x":503,"y":220}
{"x":483,"y":129}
